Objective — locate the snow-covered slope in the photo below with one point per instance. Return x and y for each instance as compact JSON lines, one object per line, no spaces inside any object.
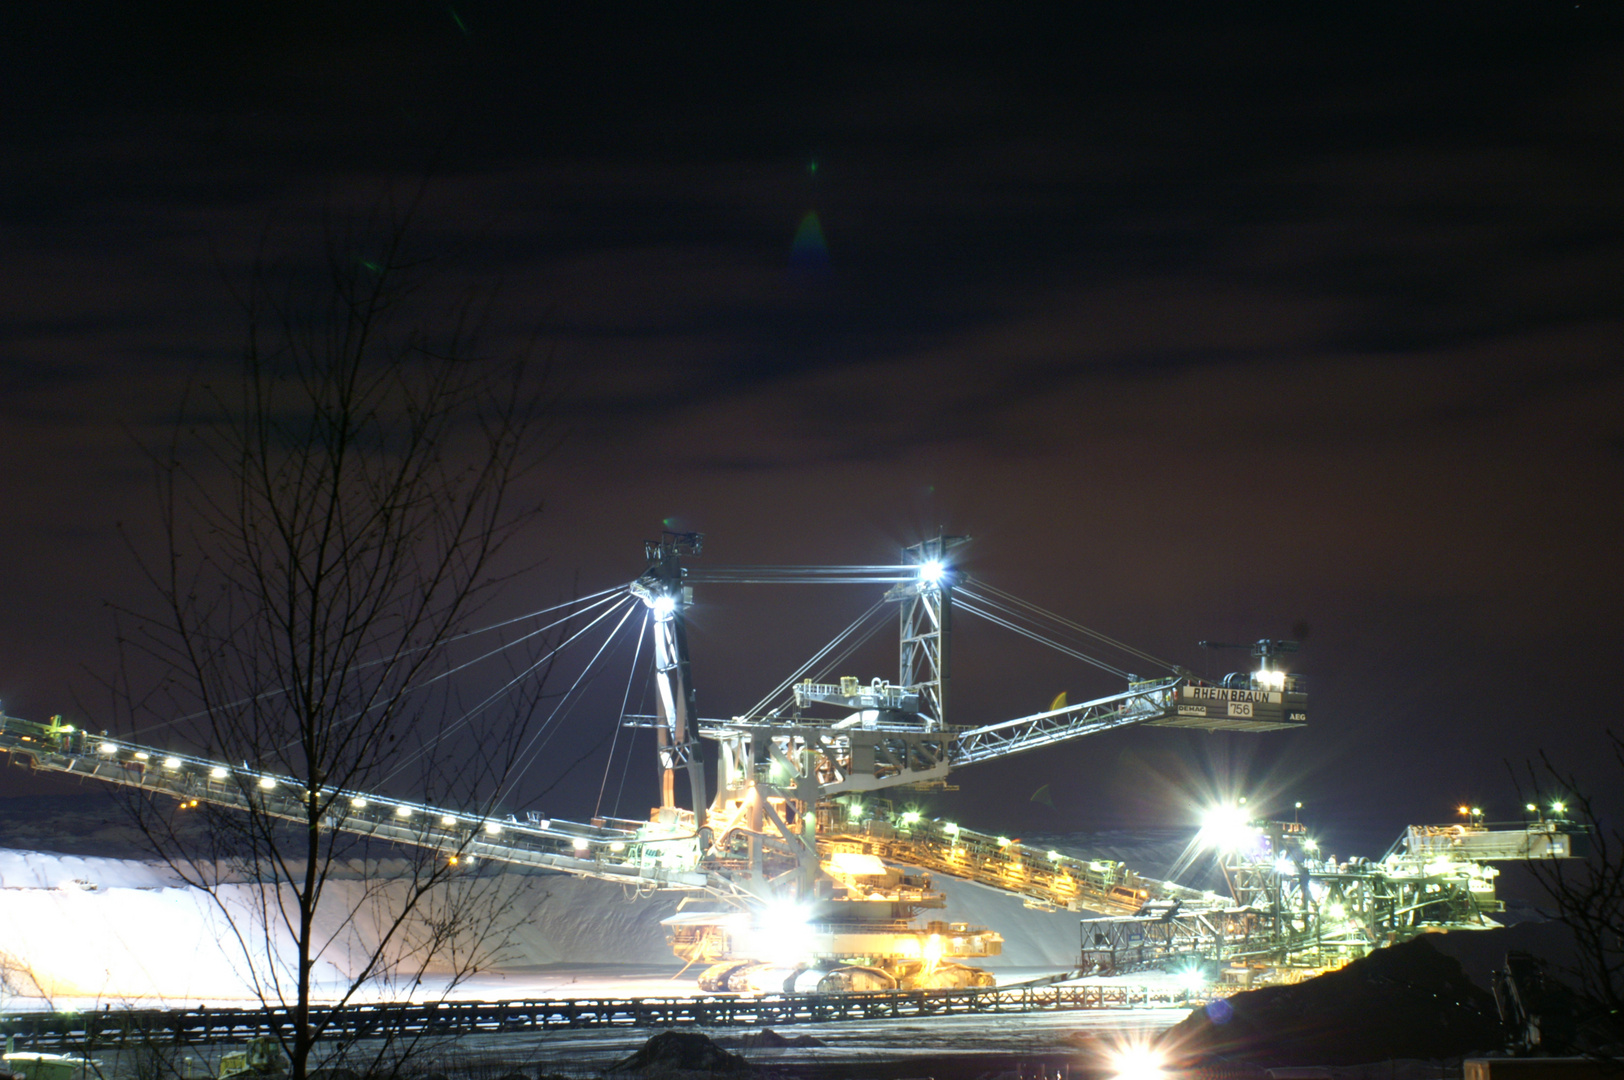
{"x":82,"y":928}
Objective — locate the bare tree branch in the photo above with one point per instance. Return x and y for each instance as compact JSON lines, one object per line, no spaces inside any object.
{"x":331,"y":516}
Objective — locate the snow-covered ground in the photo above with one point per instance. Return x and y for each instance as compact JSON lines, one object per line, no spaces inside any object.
{"x":80,"y":931}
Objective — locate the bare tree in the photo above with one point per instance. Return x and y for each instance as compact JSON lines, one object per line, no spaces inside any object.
{"x":1587,"y":893}
{"x":332,"y":516}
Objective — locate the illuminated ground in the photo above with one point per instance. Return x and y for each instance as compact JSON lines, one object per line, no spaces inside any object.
{"x":84,"y":932}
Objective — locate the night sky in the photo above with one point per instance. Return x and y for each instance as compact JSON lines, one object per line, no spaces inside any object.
{"x":1205,"y":322}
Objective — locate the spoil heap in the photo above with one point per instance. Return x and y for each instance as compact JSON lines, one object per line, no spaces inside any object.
{"x":1405,"y":1001}
{"x":680,"y":1052}
{"x":768,"y":1039}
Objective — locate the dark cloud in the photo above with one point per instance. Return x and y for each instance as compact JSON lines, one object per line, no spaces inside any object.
{"x":1204,"y":320}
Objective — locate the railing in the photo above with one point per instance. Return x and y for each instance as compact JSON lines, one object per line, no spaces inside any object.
{"x":1044,"y":878}
{"x":607,"y":853}
{"x":89,"y":1031}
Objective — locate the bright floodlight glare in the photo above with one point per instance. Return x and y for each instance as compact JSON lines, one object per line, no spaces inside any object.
{"x":1225,"y":828}
{"x":1271,"y":680}
{"x":493,"y":827}
{"x":267,"y":782}
{"x":1531,"y":808}
{"x":1310,"y":845}
{"x":1192,"y":978}
{"x":108,"y":748}
{"x":782,"y":932}
{"x":1557,"y":807}
{"x":447,"y":819}
{"x":403,"y":811}
{"x":171,"y":762}
{"x":910,"y":817}
{"x":582,"y":843}
{"x":1138,"y":1062}
{"x":1284,"y":868}
{"x":932,"y":572}
{"x":217,"y":773}
{"x":664,"y":606}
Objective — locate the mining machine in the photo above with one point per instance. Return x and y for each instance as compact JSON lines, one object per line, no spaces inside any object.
{"x":793,"y":884}
{"x":785,"y":823}
{"x":1294,"y":910}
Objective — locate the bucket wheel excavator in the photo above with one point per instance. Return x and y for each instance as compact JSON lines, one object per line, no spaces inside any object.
{"x":790,"y":887}
{"x":821,"y":910}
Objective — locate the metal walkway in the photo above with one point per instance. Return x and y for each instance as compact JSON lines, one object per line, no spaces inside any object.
{"x":88,"y":1032}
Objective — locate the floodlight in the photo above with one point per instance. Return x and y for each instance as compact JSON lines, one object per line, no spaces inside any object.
{"x":141,"y":755}
{"x":933,"y":951}
{"x":494,"y":828}
{"x":403,"y":811}
{"x":664,"y":607}
{"x":1284,"y":867}
{"x":358,"y":802}
{"x":218,"y":773}
{"x":1138,"y":1062}
{"x":107,"y":748}
{"x":782,"y":932}
{"x":617,"y":845}
{"x":950,"y":828}
{"x":1310,"y":845}
{"x":1055,"y":856}
{"x":1531,"y":808}
{"x":171,"y":762}
{"x":1557,"y":807}
{"x":1271,"y":680}
{"x":910,"y":817}
{"x":582,"y":843}
{"x":1193,"y":979}
{"x":1225,"y":828}
{"x":447,"y":819}
{"x":266,"y":783}
{"x":931,"y":573}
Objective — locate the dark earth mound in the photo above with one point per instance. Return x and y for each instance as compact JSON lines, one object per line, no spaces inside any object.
{"x":1404,"y":1001}
{"x":769,"y":1039}
{"x":680,"y":1051}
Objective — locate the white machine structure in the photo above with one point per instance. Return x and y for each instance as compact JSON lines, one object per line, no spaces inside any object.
{"x":801,"y":881}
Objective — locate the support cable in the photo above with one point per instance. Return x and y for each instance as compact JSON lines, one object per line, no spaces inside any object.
{"x":619,"y":722}
{"x":772,"y":695}
{"x":823,"y":672}
{"x":468,"y":715}
{"x":395,"y":697}
{"x":1071,"y":624}
{"x":393,"y":657}
{"x":960,"y":605}
{"x":518,"y":772}
{"x":631,"y":745}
